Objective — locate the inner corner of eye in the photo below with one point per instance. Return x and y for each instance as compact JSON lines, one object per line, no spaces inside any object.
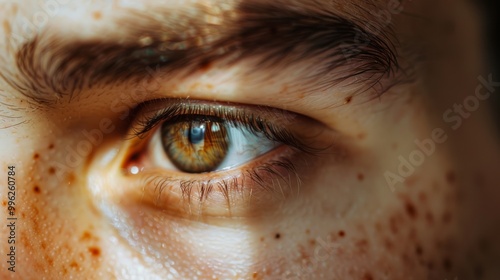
{"x":131,"y":162}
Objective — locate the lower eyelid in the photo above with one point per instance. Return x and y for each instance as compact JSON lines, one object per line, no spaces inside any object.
{"x":241,"y":192}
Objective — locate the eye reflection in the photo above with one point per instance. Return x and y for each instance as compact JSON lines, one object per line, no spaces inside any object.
{"x":195,"y":146}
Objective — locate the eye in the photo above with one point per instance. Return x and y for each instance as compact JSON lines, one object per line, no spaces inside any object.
{"x":199,"y":144}
{"x":206,"y":159}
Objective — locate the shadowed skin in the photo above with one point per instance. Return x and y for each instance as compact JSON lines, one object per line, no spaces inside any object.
{"x":402,"y":183}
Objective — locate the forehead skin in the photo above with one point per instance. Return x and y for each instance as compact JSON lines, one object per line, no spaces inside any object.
{"x":348,"y":223}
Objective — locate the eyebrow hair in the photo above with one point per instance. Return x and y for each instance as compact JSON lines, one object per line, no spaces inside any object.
{"x":274,"y":35}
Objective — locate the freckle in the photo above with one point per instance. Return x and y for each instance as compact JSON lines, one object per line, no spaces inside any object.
{"x":4,"y":203}
{"x":348,"y":100}
{"x":410,"y":210}
{"x":94,"y":251}
{"x":52,"y":170}
{"x":368,"y":276}
{"x":36,"y":156}
{"x":73,"y":264}
{"x":446,"y":217}
{"x":361,"y":136}
{"x":262,"y":239}
{"x":51,"y":146}
{"x":447,"y":264}
{"x":450,"y":177}
{"x":205,"y":65}
{"x":312,"y":242}
{"x":341,"y":233}
{"x":418,"y":250}
{"x":277,"y":236}
{"x":361,"y":177}
{"x":394,"y":146}
{"x":308,"y":231}
{"x":36,"y":189}
{"x":97,"y":15}
{"x":255,"y":275}
{"x":86,"y":235}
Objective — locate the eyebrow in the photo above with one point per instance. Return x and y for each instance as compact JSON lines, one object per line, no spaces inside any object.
{"x":276,"y":36}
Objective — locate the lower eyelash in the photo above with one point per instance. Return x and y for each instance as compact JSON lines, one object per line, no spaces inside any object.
{"x":277,"y":179}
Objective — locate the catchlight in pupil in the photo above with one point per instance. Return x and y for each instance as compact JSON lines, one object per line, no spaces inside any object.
{"x":197,"y":133}
{"x":195,"y":146}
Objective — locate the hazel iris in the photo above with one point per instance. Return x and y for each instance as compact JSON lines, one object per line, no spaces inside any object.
{"x":195,"y":146}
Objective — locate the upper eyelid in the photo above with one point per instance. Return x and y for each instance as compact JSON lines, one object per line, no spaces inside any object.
{"x":162,"y":109}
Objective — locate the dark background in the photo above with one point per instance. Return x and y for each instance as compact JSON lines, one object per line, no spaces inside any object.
{"x":491,"y":16}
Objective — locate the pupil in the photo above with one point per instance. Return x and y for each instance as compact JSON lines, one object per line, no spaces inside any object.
{"x":197,"y":133}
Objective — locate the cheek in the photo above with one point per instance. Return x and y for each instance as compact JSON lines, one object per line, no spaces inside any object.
{"x":58,"y":229}
{"x":413,"y":229}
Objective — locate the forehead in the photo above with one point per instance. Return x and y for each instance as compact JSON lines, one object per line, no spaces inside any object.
{"x":26,"y":17}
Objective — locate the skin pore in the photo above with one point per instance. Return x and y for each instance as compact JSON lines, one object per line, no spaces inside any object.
{"x":357,"y":214}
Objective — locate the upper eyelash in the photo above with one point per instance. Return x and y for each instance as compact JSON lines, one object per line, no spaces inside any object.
{"x":235,"y":117}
